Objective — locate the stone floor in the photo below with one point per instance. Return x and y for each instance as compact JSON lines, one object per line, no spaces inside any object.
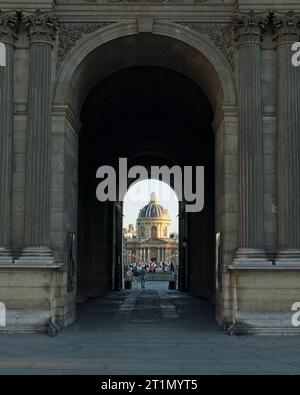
{"x":155,"y":331}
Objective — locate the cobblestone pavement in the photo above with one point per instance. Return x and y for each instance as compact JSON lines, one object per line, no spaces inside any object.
{"x":155,"y":331}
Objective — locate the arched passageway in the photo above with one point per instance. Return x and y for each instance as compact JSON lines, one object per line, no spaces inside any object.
{"x":156,"y":99}
{"x":152,"y":116}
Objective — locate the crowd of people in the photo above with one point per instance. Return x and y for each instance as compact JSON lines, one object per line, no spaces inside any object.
{"x":137,"y":271}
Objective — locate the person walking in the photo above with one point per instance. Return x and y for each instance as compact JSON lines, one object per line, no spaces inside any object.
{"x":172,"y":268}
{"x":143,"y":273}
{"x":135,"y":277}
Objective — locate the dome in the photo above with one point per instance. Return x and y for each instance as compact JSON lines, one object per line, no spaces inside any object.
{"x":153,"y":209}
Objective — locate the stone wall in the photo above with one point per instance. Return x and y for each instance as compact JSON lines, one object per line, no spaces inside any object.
{"x":254,"y":93}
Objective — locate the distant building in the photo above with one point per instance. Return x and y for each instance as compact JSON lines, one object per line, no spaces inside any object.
{"x":129,"y":233}
{"x":153,"y":241}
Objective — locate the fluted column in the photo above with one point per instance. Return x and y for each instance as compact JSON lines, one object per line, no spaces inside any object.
{"x":287,"y":31}
{"x":8,"y":24}
{"x":41,"y":30}
{"x":249,"y":30}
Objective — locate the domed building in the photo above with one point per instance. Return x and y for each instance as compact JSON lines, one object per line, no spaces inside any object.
{"x":153,"y":220}
{"x":153,"y":241}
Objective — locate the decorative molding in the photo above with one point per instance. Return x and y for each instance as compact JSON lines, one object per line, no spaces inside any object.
{"x":8,"y":27}
{"x":147,"y":1}
{"x":70,"y":115}
{"x":41,"y":27}
{"x":220,"y":35}
{"x":221,"y":113}
{"x":286,"y":27}
{"x":70,"y":33}
{"x":160,"y":1}
{"x":250,"y":27}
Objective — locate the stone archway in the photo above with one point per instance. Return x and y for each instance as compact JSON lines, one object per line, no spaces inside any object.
{"x":121,"y":46}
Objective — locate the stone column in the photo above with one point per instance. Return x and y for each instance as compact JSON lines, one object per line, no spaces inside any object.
{"x":249,"y":30}
{"x":41,"y":30}
{"x":287,"y":31}
{"x":8,"y":23}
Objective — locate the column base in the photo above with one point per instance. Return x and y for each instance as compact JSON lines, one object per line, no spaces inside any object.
{"x":251,"y":253}
{"x":36,"y":255}
{"x":6,"y":256}
{"x":288,"y":256}
{"x":292,"y":253}
{"x":246,"y":257}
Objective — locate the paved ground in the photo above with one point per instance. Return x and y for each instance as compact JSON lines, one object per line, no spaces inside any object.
{"x":151,"y":332}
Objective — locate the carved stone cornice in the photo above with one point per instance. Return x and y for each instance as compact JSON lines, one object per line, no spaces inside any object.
{"x":286,"y":27}
{"x":70,"y":33}
{"x":8,"y":27}
{"x":41,"y":27}
{"x":249,"y":28}
{"x":220,"y":35}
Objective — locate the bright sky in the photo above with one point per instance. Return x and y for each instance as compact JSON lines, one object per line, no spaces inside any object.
{"x":138,"y":196}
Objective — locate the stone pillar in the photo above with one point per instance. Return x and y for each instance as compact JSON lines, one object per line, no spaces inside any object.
{"x":41,"y":30}
{"x":287,"y":31}
{"x":249,"y":30}
{"x":158,"y":254}
{"x":149,"y":254}
{"x":8,"y":23}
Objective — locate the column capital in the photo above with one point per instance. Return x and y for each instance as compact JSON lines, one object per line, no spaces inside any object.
{"x":8,"y":27}
{"x":40,"y":27}
{"x":286,"y":27}
{"x":249,"y":27}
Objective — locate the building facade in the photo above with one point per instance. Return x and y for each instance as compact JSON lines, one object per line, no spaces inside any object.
{"x":152,"y":242}
{"x":225,"y":64}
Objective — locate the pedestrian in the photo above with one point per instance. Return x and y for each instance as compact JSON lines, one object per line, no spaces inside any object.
{"x":143,"y":273}
{"x":135,"y":278}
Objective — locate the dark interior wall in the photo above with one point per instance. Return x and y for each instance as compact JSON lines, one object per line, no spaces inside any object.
{"x":152,"y":116}
{"x":201,"y":237}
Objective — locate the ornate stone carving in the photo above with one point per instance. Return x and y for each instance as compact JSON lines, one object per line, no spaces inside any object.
{"x":250,"y":27}
{"x":159,"y":1}
{"x":145,"y":1}
{"x":41,"y":27}
{"x":286,"y":27}
{"x":70,"y":33}
{"x":8,"y":26}
{"x":220,"y":35}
